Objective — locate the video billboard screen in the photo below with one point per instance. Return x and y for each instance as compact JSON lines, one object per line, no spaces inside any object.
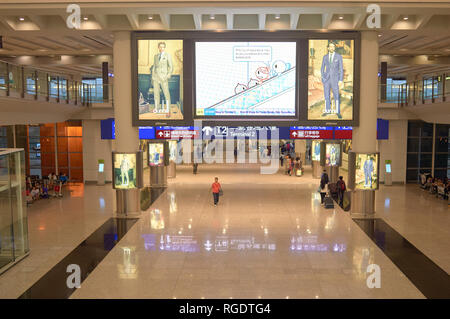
{"x":366,"y":173}
{"x":160,"y":79}
{"x":245,"y":79}
{"x":330,"y":79}
{"x":125,"y":171}
{"x":155,"y":154}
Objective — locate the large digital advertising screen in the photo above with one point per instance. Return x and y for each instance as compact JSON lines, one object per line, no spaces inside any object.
{"x":331,"y":79}
{"x":366,"y":172}
{"x":125,"y":171}
{"x":245,"y":79}
{"x":160,"y":79}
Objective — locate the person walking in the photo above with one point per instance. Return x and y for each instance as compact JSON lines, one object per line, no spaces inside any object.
{"x":215,"y":189}
{"x":341,"y":190}
{"x":323,"y":185}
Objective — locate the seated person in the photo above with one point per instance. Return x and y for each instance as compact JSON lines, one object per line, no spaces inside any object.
{"x":63,"y":178}
{"x":34,"y":193}
{"x":44,"y":193}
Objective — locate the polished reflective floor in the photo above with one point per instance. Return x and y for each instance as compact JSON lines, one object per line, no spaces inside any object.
{"x":87,"y":255}
{"x":428,"y":277}
{"x":269,"y":237}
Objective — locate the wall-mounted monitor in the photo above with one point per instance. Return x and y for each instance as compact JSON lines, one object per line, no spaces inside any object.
{"x":127,"y":170}
{"x":364,"y":171}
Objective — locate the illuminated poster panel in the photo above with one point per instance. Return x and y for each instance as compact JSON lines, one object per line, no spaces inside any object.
{"x":331,"y":80}
{"x":156,"y":154}
{"x":173,"y":150}
{"x":366,"y":171}
{"x":333,"y":154}
{"x":315,"y":151}
{"x":124,"y":171}
{"x":160,"y":79}
{"x":245,"y":79}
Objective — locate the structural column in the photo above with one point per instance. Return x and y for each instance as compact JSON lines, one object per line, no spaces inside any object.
{"x":364,"y":139}
{"x":127,"y":136}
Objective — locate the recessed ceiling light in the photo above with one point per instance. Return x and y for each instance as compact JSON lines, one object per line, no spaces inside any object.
{"x":379,"y":35}
{"x":212,"y":17}
{"x":85,"y":18}
{"x":405,"y":18}
{"x":22,"y":19}
{"x":277,"y":16}
{"x":150,"y":17}
{"x":341,"y":17}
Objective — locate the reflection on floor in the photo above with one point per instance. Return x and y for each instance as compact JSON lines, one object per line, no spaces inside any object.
{"x":87,"y":256}
{"x":269,"y":237}
{"x":429,"y":278}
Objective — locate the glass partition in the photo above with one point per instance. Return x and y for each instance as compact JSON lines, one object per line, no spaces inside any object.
{"x":13,"y":211}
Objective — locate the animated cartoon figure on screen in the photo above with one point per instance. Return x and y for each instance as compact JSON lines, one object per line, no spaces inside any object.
{"x":161,"y":71}
{"x":368,"y":170}
{"x":332,"y":72}
{"x":279,"y":67}
{"x":124,"y":167}
{"x":262,"y":73}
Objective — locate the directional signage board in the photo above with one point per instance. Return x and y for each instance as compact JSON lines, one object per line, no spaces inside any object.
{"x":311,"y":132}
{"x":176,"y":132}
{"x":343,"y":133}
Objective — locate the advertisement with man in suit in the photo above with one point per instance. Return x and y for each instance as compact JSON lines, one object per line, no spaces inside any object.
{"x":161,"y":71}
{"x":332,"y":72}
{"x":330,"y":79}
{"x":160,"y":79}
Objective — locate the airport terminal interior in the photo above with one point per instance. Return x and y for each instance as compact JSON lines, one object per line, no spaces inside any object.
{"x":251,"y":150}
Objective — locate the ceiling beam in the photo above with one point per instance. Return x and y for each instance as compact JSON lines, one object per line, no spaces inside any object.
{"x":359,"y":20}
{"x":197,"y":21}
{"x":392,"y":18}
{"x":39,"y":21}
{"x":326,"y":20}
{"x":102,"y":20}
{"x":165,"y":20}
{"x":230,"y":21}
{"x":133,"y":19}
{"x":262,"y":21}
{"x":293,"y":17}
{"x":423,"y":20}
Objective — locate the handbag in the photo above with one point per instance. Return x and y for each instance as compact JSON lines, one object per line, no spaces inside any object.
{"x":220,"y":192}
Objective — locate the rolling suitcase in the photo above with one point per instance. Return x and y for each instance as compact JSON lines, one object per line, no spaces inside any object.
{"x":328,"y":201}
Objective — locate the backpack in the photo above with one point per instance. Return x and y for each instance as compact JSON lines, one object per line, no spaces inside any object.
{"x":342,"y":186}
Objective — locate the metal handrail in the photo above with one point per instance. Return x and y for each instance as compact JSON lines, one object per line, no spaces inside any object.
{"x":28,"y":81}
{"x":429,"y":90}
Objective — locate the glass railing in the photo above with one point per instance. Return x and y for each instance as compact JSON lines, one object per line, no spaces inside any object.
{"x":429,"y":90}
{"x":28,"y":82}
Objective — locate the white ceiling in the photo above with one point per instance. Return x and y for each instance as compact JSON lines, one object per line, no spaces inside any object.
{"x":43,"y":31}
